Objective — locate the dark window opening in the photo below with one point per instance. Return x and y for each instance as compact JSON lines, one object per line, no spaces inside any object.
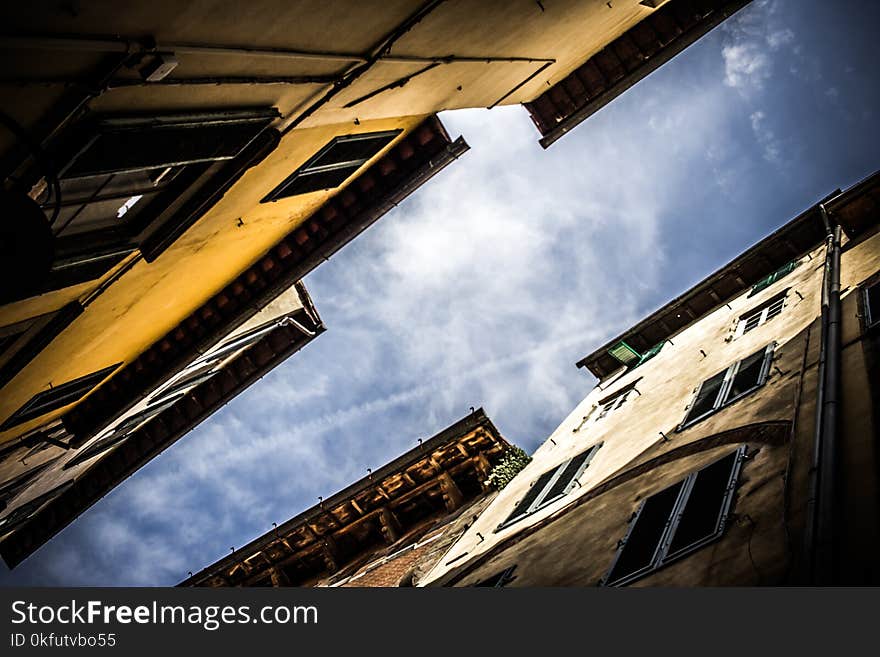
{"x":551,"y":485}
{"x":23,"y":513}
{"x":640,"y":546}
{"x":872,"y":304}
{"x":125,"y":178}
{"x":498,"y":580}
{"x":24,"y":340}
{"x":616,"y":400}
{"x":707,"y":396}
{"x":747,"y":376}
{"x":120,"y":432}
{"x":728,"y":386}
{"x":17,"y":484}
{"x":678,"y":520}
{"x":333,"y":164}
{"x":54,"y":398}
{"x":700,"y":518}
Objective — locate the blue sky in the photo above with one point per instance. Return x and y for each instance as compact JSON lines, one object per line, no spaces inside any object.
{"x":486,"y":286}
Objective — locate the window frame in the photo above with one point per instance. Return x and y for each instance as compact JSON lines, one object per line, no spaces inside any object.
{"x":870,"y":321}
{"x":48,"y":401}
{"x":722,"y":398}
{"x":311,"y":166}
{"x":22,"y":513}
{"x":662,"y":555}
{"x":763,"y":313}
{"x":605,"y":406}
{"x":498,"y":580}
{"x":543,"y":500}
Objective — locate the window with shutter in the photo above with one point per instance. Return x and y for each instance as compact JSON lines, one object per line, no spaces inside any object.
{"x":872,"y":304}
{"x":498,"y":580}
{"x":333,"y":164}
{"x":677,"y":521}
{"x":57,"y":397}
{"x":23,"y":513}
{"x":761,"y":315}
{"x":551,"y":486}
{"x":615,"y":400}
{"x":770,"y":279}
{"x":728,"y":386}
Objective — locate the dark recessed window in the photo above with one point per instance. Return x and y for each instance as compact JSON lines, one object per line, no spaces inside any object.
{"x":498,"y":580}
{"x":769,"y":280}
{"x":21,"y":342}
{"x":17,"y":484}
{"x":54,"y":398}
{"x":677,"y":521}
{"x":136,"y":182}
{"x":727,"y":386}
{"x":333,"y":164}
{"x":23,"y":513}
{"x":116,"y":165}
{"x":120,"y":432}
{"x":551,"y":486}
{"x":872,"y":304}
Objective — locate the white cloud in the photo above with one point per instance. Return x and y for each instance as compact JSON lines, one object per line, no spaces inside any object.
{"x":772,"y":148}
{"x":781,"y":37}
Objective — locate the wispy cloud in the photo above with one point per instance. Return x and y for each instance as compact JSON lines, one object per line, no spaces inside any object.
{"x":766,"y":137}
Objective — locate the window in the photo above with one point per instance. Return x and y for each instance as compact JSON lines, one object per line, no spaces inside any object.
{"x":728,"y":386}
{"x":120,"y":432}
{"x":677,"y":521}
{"x":333,"y":164}
{"x":551,"y":486}
{"x":21,"y":342}
{"x":872,"y":304}
{"x":498,"y":580}
{"x":761,"y":315}
{"x":114,"y":166}
{"x":137,"y":182}
{"x":54,"y":398}
{"x":615,"y":401}
{"x":17,"y":484}
{"x":780,"y":273}
{"x":23,"y":513}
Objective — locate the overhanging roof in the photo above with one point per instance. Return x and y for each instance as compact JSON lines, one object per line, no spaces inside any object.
{"x":418,"y":472}
{"x":856,"y":210}
{"x":622,"y":63}
{"x":137,"y":449}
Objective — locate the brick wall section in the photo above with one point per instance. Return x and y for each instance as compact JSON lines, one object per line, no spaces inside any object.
{"x":419,"y":560}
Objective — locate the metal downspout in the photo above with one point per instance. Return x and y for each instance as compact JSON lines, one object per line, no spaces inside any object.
{"x":822,"y":504}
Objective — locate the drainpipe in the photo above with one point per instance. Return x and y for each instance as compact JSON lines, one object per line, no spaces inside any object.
{"x":823,"y":503}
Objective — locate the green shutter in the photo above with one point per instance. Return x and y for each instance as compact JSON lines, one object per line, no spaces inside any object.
{"x":653,"y":351}
{"x":767,"y":281}
{"x":624,"y":353}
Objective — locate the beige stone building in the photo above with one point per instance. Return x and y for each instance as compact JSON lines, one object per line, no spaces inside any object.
{"x":731,"y":439}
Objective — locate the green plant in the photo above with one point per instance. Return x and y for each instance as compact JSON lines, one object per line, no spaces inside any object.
{"x":511,"y":462}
